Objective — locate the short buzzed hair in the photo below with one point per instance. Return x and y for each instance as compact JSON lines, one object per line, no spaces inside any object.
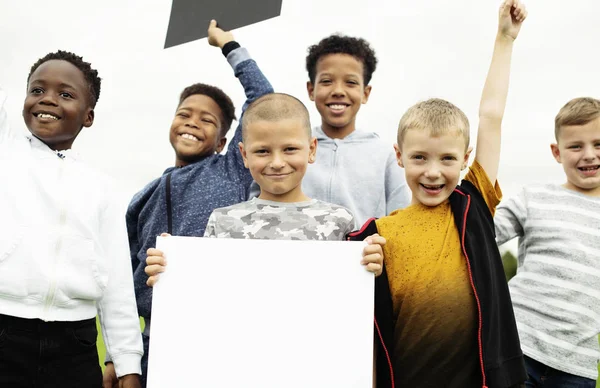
{"x":578,"y":111}
{"x":436,"y":115}
{"x":90,"y":75}
{"x":275,"y":107}
{"x":218,"y":96}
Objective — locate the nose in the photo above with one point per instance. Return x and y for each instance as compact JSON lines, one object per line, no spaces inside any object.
{"x":433,"y":172}
{"x":277,"y":162}
{"x":589,"y":153}
{"x":191,"y":124}
{"x":338,"y":89}
{"x":49,"y":98}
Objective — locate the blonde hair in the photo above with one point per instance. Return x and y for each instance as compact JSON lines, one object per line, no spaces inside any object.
{"x":578,"y":111}
{"x":436,"y":115}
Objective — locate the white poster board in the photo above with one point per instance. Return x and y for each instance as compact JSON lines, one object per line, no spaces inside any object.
{"x":254,"y":313}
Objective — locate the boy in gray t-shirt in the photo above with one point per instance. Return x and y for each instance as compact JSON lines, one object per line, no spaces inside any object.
{"x":277,"y":147}
{"x":556,"y":291}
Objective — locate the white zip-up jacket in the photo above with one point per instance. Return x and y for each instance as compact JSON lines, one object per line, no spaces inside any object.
{"x":64,"y":253}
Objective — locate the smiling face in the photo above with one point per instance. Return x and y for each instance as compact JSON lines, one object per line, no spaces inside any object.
{"x":432,"y":164}
{"x":338,"y":92}
{"x":57,"y":104}
{"x":196,"y":130}
{"x":578,"y":150}
{"x":277,"y":154}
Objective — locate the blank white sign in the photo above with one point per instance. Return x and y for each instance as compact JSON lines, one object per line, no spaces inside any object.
{"x":256,"y":313}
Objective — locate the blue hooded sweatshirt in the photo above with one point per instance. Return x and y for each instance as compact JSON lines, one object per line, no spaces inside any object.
{"x":195,"y":190}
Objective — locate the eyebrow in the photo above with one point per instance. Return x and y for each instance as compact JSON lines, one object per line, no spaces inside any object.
{"x":582,"y":141}
{"x":202,"y":112}
{"x":357,"y":75}
{"x":61,"y":85}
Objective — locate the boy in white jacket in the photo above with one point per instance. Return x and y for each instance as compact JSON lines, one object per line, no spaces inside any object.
{"x":64,"y":254}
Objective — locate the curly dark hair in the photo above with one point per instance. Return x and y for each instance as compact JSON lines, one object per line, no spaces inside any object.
{"x":341,"y":44}
{"x":90,"y":75}
{"x":219,"y":96}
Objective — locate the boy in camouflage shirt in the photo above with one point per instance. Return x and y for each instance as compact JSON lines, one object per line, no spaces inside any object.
{"x":277,"y":147}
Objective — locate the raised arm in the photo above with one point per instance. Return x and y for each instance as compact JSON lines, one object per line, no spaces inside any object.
{"x":493,"y":99}
{"x":246,"y":70}
{"x":255,"y":85}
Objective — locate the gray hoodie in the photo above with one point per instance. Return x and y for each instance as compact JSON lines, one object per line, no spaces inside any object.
{"x":358,"y":172}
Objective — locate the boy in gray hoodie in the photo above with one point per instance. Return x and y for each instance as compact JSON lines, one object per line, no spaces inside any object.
{"x":353,"y":168}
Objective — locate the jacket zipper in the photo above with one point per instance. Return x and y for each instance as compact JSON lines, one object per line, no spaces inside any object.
{"x":332,"y":170}
{"x":61,"y":222}
{"x":479,"y":329}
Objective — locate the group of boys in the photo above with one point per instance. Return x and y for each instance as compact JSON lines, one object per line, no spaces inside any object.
{"x":443,"y":316}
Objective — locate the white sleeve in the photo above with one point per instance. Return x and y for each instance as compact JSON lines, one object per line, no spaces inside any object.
{"x":117,"y":310}
{"x":4,"y":127}
{"x":510,"y":218}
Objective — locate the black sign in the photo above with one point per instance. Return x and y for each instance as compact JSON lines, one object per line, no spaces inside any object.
{"x":190,"y":18}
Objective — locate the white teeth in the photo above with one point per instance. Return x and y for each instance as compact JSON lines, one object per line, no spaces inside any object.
{"x":46,"y":116}
{"x":189,"y":137}
{"x":433,"y":187}
{"x":337,"y":107}
{"x":589,"y":168}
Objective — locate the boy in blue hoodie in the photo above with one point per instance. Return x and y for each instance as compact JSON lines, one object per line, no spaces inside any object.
{"x":182,"y":199}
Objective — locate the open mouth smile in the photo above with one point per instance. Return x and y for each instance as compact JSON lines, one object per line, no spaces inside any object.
{"x":46,"y":116}
{"x":338,"y":107}
{"x":432,"y":189}
{"x":589,"y":170}
{"x":189,"y":136}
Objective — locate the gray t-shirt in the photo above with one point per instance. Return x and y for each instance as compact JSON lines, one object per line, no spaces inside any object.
{"x":268,"y":220}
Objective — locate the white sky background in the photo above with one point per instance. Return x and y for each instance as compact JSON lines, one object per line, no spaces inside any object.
{"x":426,"y":48}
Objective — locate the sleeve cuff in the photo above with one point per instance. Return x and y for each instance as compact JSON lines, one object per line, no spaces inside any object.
{"x":237,"y":56}
{"x":127,"y":364}
{"x":229,"y":47}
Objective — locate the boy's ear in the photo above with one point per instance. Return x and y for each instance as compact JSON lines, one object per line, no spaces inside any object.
{"x":221,"y":144}
{"x":398,"y":155}
{"x":310,"y":88}
{"x":555,"y":152}
{"x":243,"y":152}
{"x":366,"y":94}
{"x":89,"y":118}
{"x":312,"y":151}
{"x":466,"y":158}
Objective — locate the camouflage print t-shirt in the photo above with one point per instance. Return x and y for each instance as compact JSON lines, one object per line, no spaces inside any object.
{"x":268,"y":220}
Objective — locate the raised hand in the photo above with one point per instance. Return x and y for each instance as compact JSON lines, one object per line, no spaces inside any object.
{"x":511,"y":16}
{"x":216,"y":36}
